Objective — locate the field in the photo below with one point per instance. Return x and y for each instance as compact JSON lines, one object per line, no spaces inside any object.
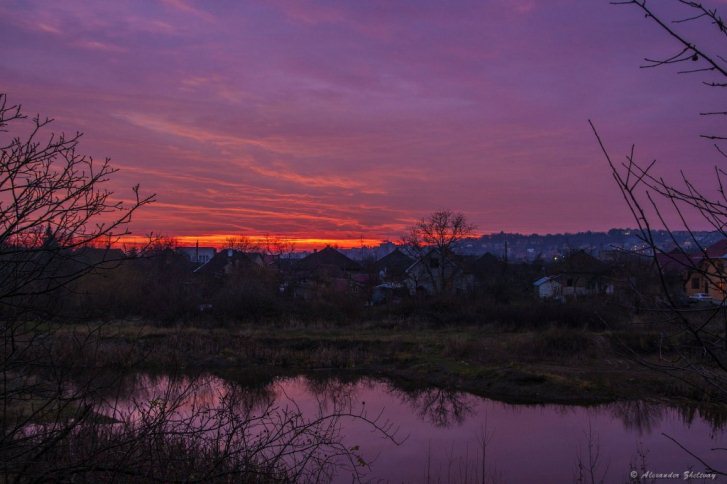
{"x":548,"y":365}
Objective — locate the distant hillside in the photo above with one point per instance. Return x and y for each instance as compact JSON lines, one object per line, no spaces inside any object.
{"x":521,"y":247}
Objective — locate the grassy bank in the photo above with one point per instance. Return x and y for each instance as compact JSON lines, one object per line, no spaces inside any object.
{"x":552,"y":364}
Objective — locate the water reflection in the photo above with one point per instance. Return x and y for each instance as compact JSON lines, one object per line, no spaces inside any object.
{"x":437,"y":406}
{"x":640,"y":416}
{"x":646,"y":417}
{"x":271,"y":426}
{"x":441,"y":408}
{"x":445,"y":429}
{"x":330,"y":392}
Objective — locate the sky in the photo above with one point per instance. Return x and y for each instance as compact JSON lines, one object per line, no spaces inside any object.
{"x":334,"y":121}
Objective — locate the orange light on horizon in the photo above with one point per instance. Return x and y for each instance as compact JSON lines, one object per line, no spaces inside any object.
{"x":219,"y":241}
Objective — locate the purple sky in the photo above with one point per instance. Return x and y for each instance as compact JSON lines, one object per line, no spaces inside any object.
{"x":338,"y":120}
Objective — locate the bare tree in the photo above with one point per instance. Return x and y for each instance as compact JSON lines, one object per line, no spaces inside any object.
{"x":650,"y":199}
{"x":703,"y":58}
{"x":589,"y":465}
{"x":438,"y":406}
{"x":697,"y":354}
{"x":432,"y":241}
{"x":277,"y":247}
{"x":54,"y":208}
{"x":241,"y":243}
{"x":53,"y":201}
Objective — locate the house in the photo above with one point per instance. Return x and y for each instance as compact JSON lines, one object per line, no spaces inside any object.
{"x":433,"y":273}
{"x":709,"y":274}
{"x":327,"y":260}
{"x":677,"y":262}
{"x":326,"y":271}
{"x":260,"y":259}
{"x":392,"y":267}
{"x":578,"y":274}
{"x":549,"y":287}
{"x":672,"y":270}
{"x":226,"y":262}
{"x":197,"y":254}
{"x":489,"y":270}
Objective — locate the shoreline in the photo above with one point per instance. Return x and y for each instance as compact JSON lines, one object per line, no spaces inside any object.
{"x":515,"y":367}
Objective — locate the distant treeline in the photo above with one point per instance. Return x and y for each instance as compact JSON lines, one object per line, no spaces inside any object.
{"x":518,"y":246}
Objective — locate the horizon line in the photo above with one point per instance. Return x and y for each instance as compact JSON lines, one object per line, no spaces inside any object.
{"x":219,"y":241}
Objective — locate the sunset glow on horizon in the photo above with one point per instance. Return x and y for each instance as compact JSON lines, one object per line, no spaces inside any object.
{"x":221,"y":241}
{"x":342,"y":123}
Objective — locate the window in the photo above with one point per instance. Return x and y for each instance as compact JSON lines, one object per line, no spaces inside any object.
{"x":695,"y":283}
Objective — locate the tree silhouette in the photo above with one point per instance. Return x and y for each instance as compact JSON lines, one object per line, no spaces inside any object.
{"x":53,"y":201}
{"x":697,"y":346}
{"x":436,"y":236}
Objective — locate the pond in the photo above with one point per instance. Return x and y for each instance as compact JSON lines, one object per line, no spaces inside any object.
{"x":432,"y":435}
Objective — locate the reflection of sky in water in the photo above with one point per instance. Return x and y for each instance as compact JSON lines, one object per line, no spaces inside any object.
{"x":443,"y":430}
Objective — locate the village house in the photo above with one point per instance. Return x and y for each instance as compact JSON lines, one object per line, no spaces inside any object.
{"x":326,"y":271}
{"x":549,"y":287}
{"x":433,"y":273}
{"x":578,"y":274}
{"x":197,"y":254}
{"x":227,"y":275}
{"x":392,"y":267}
{"x":489,"y":271}
{"x":708,"y":275}
{"x":229,"y":261}
{"x":391,"y":273}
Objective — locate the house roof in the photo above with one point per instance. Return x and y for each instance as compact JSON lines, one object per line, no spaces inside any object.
{"x":454,"y":261}
{"x":328,"y":257}
{"x":718,"y":250}
{"x":218,"y":264}
{"x":260,"y":258}
{"x":579,"y":262}
{"x":677,"y":260}
{"x":545,"y":279}
{"x":394,"y":262}
{"x":94,"y":255}
{"x":489,"y":263}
